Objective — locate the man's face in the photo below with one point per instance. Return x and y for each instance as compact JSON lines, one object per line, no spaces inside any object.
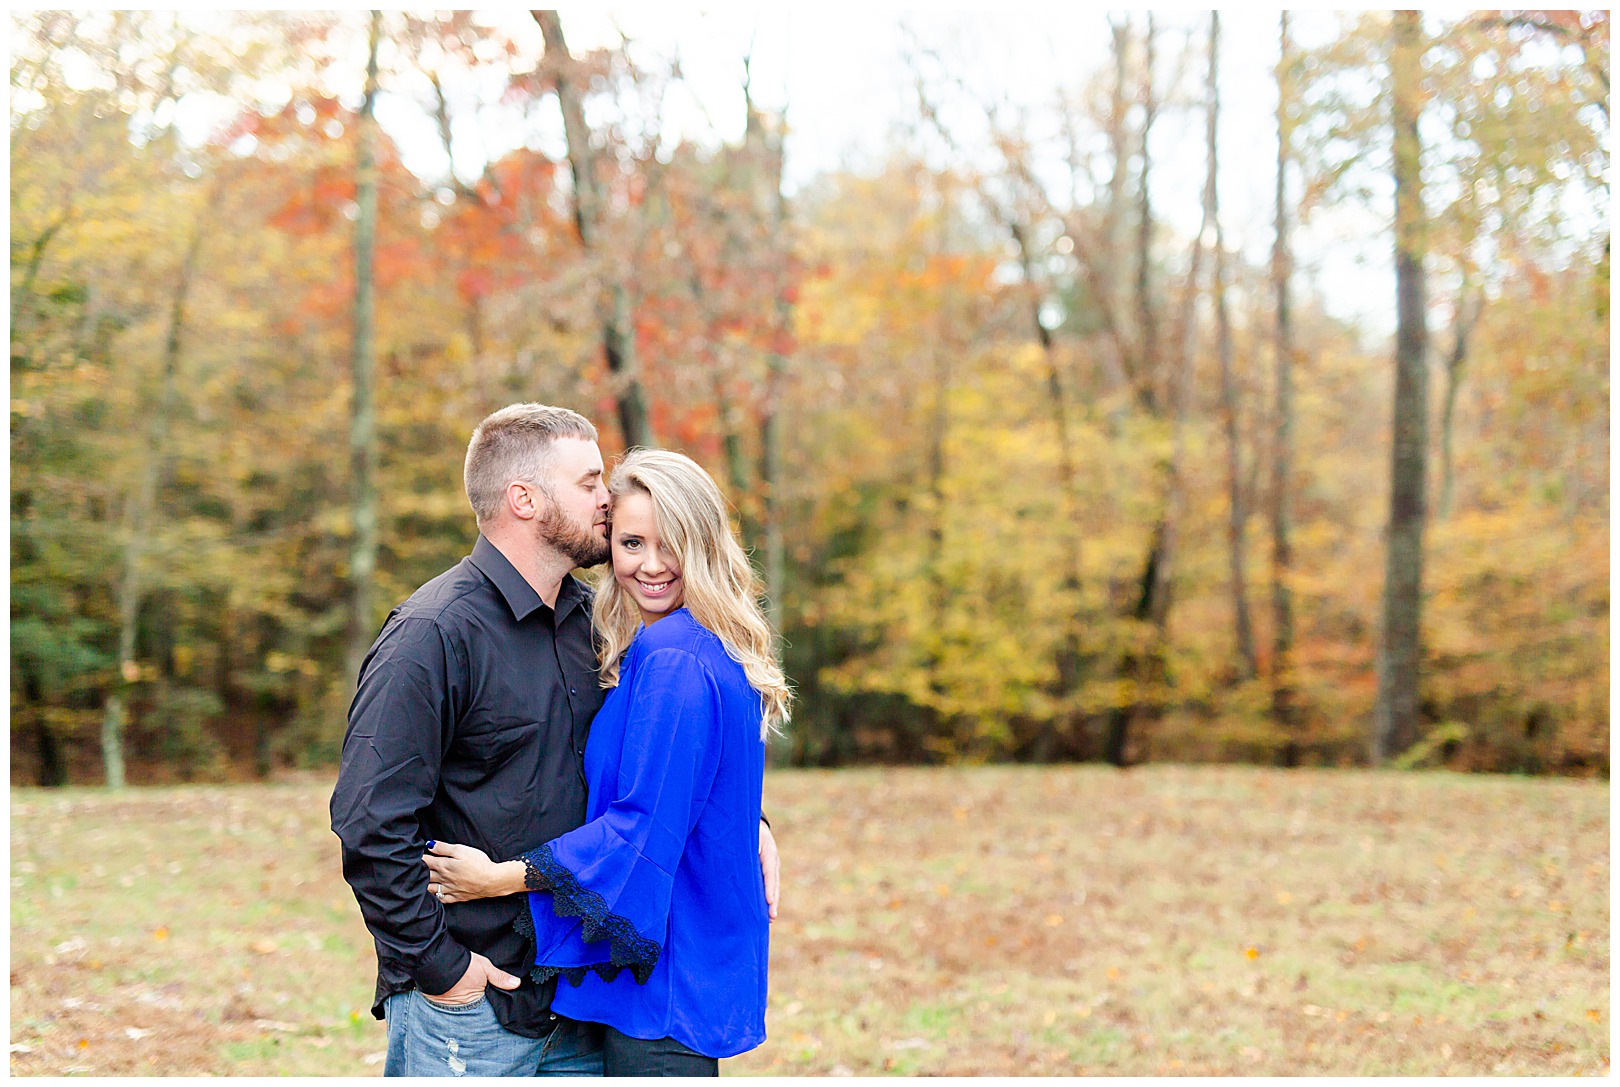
{"x":574,"y":503}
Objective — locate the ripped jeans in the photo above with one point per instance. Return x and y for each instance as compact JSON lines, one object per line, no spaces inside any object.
{"x":428,"y":1039}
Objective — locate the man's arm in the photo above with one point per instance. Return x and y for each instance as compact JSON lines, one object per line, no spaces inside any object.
{"x":400,"y":724}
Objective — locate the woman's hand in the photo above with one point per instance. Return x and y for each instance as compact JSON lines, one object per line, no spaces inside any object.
{"x":460,"y":873}
{"x":770,"y":866}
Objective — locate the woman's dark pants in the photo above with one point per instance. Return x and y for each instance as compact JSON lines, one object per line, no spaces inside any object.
{"x":623,"y":1055}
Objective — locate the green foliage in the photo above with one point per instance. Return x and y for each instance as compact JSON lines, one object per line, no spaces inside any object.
{"x":50,"y":646}
{"x":186,"y":742}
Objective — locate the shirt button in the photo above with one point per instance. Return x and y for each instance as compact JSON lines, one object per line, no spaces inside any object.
{"x":572,"y":691}
{"x":552,"y":1017}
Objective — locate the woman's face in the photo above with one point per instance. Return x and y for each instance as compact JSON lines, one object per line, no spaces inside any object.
{"x":641,"y":563}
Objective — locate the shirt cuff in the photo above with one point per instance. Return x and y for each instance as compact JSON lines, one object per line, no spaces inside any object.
{"x":441,"y":965}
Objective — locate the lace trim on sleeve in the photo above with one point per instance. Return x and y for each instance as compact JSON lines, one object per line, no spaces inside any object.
{"x":627,"y":947}
{"x":523,"y":924}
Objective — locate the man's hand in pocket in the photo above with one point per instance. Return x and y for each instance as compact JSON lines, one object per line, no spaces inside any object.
{"x":480,"y":973}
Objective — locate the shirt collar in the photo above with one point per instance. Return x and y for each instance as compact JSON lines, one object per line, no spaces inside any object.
{"x":570,"y":595}
{"x":515,"y":590}
{"x":519,"y":595}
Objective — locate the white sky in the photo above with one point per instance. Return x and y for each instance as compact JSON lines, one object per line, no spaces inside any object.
{"x":840,"y":71}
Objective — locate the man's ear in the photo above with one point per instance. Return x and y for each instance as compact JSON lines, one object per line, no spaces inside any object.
{"x":523,"y":500}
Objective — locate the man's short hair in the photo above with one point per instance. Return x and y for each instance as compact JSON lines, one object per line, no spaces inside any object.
{"x":515,"y":444}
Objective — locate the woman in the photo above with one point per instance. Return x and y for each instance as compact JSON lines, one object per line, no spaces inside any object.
{"x":655,"y":909}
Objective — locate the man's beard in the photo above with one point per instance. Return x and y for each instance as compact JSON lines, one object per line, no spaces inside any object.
{"x":584,"y":546}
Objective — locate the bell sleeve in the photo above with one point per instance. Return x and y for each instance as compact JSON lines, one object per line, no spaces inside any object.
{"x":600,"y":894}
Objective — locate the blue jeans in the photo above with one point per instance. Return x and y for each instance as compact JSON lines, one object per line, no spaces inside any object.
{"x":428,"y":1039}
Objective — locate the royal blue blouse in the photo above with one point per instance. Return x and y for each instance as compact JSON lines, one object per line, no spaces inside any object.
{"x":656,"y":906}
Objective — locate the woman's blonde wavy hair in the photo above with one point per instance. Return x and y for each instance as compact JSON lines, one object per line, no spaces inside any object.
{"x":720,"y":587}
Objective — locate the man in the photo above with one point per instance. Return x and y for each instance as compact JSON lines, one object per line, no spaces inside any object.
{"x":469,"y":726}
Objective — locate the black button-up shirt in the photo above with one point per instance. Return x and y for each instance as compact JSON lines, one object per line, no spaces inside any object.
{"x":468,"y":726}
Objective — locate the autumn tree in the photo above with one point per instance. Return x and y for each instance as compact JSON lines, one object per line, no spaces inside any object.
{"x":591,"y":198}
{"x":1401,"y":647}
{"x":1237,"y":503}
{"x":362,"y":409}
{"x":1283,"y":707}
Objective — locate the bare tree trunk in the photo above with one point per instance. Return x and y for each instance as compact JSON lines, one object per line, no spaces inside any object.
{"x":913,"y":732}
{"x":1180,"y":388}
{"x":473,"y":310}
{"x":1068,"y":657}
{"x":1395,"y":718}
{"x":52,"y":766}
{"x":1154,"y":604}
{"x":771,"y":480}
{"x":362,"y":409}
{"x":1467,"y":312}
{"x":1237,"y":504}
{"x":22,"y":297}
{"x":1142,"y":667}
{"x":731,"y":416}
{"x":731,"y":442}
{"x":776,"y":370}
{"x":938,"y":435}
{"x":1148,"y":364}
{"x":1109,"y":287}
{"x":114,"y":717}
{"x":1283,"y":709}
{"x":441,"y":118}
{"x":141,"y":507}
{"x":944,"y":347}
{"x":1138,"y":668}
{"x":614,"y":309}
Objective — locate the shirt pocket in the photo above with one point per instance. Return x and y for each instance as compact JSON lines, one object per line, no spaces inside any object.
{"x":488,"y":744}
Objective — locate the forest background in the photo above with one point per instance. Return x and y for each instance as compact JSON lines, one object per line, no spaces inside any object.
{"x":1032,"y":469}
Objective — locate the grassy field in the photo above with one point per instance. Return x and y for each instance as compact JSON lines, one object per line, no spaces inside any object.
{"x":1044,"y":921}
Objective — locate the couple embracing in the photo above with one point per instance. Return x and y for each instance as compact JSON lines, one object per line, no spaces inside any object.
{"x":549,"y":797}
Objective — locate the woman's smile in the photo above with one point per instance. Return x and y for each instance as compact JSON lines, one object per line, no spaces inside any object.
{"x":642,"y":562}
